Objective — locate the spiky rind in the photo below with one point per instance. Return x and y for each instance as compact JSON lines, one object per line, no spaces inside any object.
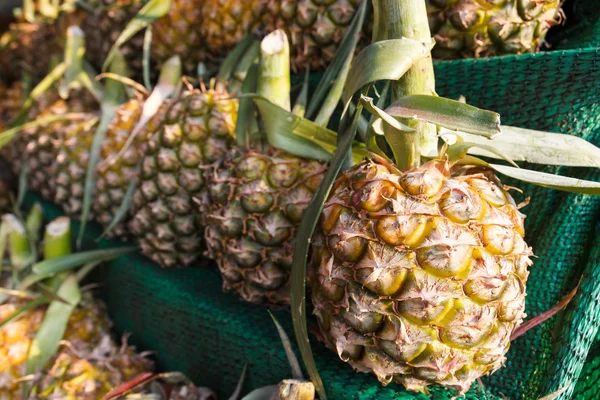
{"x":257,"y":201}
{"x":419,"y":277}
{"x":476,"y":28}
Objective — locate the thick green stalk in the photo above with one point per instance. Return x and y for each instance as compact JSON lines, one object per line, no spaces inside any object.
{"x":57,"y":238}
{"x":274,"y":70}
{"x":408,"y":18}
{"x":21,"y":251}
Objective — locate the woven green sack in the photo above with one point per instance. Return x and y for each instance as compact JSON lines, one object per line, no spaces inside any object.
{"x":195,"y":328}
{"x":584,"y":26}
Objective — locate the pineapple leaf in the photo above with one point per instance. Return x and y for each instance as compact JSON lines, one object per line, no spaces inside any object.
{"x":231,"y":61}
{"x":293,"y":134}
{"x":263,"y":393}
{"x":552,"y":181}
{"x":384,"y":60}
{"x":147,"y":47}
{"x":122,"y":211}
{"x":64,"y":263}
{"x":246,"y":118}
{"x":38,"y":301}
{"x":56,"y":73}
{"x":555,"y":394}
{"x":23,"y":181}
{"x":108,"y":113}
{"x":302,"y":245}
{"x":34,"y":222}
{"x":459,"y":150}
{"x":8,"y":134}
{"x":238,"y":388}
{"x":537,"y":147}
{"x":302,"y":137}
{"x":130,"y":385}
{"x":337,"y":71}
{"x":447,"y":113}
{"x":51,"y":331}
{"x":289,"y":352}
{"x":299,"y":108}
{"x":151,"y":11}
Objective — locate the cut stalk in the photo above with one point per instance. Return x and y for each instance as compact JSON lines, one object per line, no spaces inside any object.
{"x":274,"y":71}
{"x":408,"y":18}
{"x":21,"y":252}
{"x":57,"y":238}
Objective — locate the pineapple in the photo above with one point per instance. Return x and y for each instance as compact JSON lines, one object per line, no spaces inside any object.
{"x":484,"y":28}
{"x":419,"y":265}
{"x":257,"y":201}
{"x":19,"y":50}
{"x":176,"y":33}
{"x":198,"y":130}
{"x":420,"y":275}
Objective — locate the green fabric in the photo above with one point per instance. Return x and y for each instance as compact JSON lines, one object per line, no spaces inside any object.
{"x":585,"y":31}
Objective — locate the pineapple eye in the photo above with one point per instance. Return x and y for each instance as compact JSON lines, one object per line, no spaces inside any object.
{"x":498,"y":239}
{"x":461,"y":205}
{"x":350,"y":249}
{"x":282,"y":175}
{"x":402,"y":230}
{"x":424,"y":181}
{"x":446,"y":261}
{"x":374,"y":196}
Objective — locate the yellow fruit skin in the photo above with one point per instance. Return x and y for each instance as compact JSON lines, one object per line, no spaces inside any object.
{"x":419,"y":277}
{"x":484,"y":28}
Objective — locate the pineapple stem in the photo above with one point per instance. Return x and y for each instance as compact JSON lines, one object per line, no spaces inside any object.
{"x":408,"y":18}
{"x":21,"y":252}
{"x":57,"y":238}
{"x":274,"y":70}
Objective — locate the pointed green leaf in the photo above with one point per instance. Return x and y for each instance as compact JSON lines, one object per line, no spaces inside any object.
{"x":302,"y":246}
{"x":147,"y":47}
{"x":51,"y":331}
{"x":23,"y":182}
{"x":38,"y":301}
{"x":447,"y":113}
{"x":151,"y":11}
{"x":123,"y":209}
{"x":263,"y":393}
{"x":552,"y":181}
{"x":233,"y":57}
{"x":291,"y":356}
{"x":107,"y":114}
{"x":238,"y":388}
{"x":58,"y":264}
{"x":246,"y":119}
{"x":537,"y":147}
{"x":338,"y":67}
{"x":294,"y":134}
{"x":459,"y":150}
{"x":299,"y":108}
{"x":384,"y":60}
{"x":37,"y":91}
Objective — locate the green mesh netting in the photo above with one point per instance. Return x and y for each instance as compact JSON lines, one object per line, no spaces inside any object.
{"x":196,"y":329}
{"x":583,"y":26}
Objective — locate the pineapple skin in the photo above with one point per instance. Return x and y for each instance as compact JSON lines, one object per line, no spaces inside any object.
{"x":419,"y":277}
{"x":257,"y":201}
{"x":198,"y":130}
{"x":485,"y":28}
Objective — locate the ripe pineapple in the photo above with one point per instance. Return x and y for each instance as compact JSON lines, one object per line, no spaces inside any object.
{"x":484,"y":28}
{"x":198,"y":130}
{"x":420,"y":275}
{"x":257,"y":200}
